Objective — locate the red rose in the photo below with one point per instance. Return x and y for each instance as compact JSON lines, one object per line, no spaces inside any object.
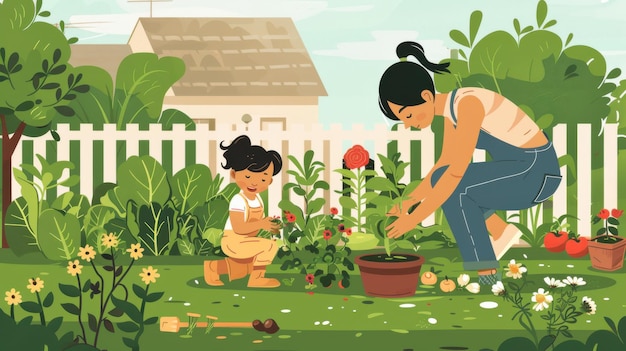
{"x":327,"y":234}
{"x":291,"y":217}
{"x":356,"y":157}
{"x":616,"y":213}
{"x":604,"y":214}
{"x":310,"y":278}
{"x":334,"y":210}
{"x":348,"y":231}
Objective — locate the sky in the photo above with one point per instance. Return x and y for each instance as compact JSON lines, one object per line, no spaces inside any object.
{"x":352,"y":42}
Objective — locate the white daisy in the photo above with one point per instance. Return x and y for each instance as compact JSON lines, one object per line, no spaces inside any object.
{"x":515,"y":270}
{"x":542,"y":299}
{"x":574,"y":281}
{"x":589,"y":306}
{"x":498,"y":289}
{"x":553,"y":283}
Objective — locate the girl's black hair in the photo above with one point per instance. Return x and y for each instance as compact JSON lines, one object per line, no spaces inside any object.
{"x":241,"y":154}
{"x":403,"y":82}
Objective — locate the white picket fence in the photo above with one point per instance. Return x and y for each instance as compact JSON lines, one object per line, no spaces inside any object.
{"x":329,"y":146}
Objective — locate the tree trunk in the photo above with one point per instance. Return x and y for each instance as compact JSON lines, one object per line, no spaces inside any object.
{"x":8,"y":147}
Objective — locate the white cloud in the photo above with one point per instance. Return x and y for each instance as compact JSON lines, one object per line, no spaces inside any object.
{"x":383,"y":47}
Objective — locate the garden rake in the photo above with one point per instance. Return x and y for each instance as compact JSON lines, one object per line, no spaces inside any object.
{"x":174,"y":325}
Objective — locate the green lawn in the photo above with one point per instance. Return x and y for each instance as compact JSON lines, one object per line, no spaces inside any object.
{"x":331,"y":318}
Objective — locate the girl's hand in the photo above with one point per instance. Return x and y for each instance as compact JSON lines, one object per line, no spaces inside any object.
{"x":269,"y":224}
{"x":395,"y":210}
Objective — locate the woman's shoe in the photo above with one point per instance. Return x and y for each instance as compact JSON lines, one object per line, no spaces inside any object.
{"x":509,"y":237}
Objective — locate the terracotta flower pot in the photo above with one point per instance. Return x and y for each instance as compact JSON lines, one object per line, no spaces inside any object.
{"x":607,"y":256}
{"x":389,"y":278}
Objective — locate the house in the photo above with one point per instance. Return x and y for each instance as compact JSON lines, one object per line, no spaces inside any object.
{"x":234,"y":66}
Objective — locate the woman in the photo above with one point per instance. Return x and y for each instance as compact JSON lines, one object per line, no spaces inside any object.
{"x":252,"y":169}
{"x":523,"y":172}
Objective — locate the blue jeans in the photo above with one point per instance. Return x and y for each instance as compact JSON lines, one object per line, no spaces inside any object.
{"x":514,"y":179}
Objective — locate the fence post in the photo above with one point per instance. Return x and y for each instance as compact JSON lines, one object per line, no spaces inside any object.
{"x":583,"y":179}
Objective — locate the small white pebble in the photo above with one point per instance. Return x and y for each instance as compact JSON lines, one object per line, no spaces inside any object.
{"x":488,"y":305}
{"x":317,"y":323}
{"x":325,"y":322}
{"x":235,"y":294}
{"x":285,"y":310}
{"x":432,"y":320}
{"x":385,"y":322}
{"x":330,"y":325}
{"x":588,"y":321}
{"x":187,"y":304}
{"x":330,"y":307}
{"x":243,"y":297}
{"x":606,"y":299}
{"x":353,"y":310}
{"x":570,"y":266}
{"x":170,"y":299}
{"x":548,"y":266}
{"x":407,"y":305}
{"x":196,"y":281}
{"x":342,"y":307}
{"x":500,"y":315}
{"x":541,"y":265}
{"x":525,"y":256}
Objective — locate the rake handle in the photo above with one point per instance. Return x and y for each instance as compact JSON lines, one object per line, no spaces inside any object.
{"x":218,"y":325}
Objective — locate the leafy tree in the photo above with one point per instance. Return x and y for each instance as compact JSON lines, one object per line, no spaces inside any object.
{"x":36,"y":81}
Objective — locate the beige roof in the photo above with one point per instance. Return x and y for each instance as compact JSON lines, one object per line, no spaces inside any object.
{"x":234,"y":56}
{"x":107,"y":56}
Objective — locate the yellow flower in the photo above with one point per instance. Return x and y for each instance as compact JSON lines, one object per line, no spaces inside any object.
{"x":15,"y":298}
{"x":135,"y":251}
{"x":149,"y":275}
{"x":109,"y":240}
{"x":74,"y":267}
{"x":515,"y":270}
{"x":87,"y":253}
{"x":35,"y":285}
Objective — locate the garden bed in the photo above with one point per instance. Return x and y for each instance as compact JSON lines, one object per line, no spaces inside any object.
{"x":332,"y":317}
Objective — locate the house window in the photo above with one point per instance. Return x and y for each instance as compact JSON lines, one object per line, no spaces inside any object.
{"x":266,"y":122}
{"x":201,"y":122}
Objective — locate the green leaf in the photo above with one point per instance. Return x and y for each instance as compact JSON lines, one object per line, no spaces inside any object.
{"x":65,"y":111}
{"x":139,"y":291}
{"x":542,"y":12}
{"x":459,"y":37}
{"x":44,"y":13}
{"x":128,"y":308}
{"x":549,"y":24}
{"x":55,"y":324}
{"x":25,"y":106}
{"x":55,"y":135}
{"x":128,"y":327}
{"x":47,"y":302}
{"x":30,"y":306}
{"x":613,"y":221}
{"x":130,"y":343}
{"x":72,"y":40}
{"x":189,"y":187}
{"x":151,"y":320}
{"x":108,"y":325}
{"x":143,"y":180}
{"x":71,"y":308}
{"x":93,"y":322}
{"x":170,"y":117}
{"x":475,"y":19}
{"x":154,"y":296}
{"x":59,"y":235}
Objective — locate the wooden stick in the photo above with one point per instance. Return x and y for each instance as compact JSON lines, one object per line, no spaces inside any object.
{"x":173,"y":324}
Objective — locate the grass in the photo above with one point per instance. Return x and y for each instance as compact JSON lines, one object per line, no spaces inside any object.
{"x":331,"y":318}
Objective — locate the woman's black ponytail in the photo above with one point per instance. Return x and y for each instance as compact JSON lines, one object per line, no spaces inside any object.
{"x":411,"y":48}
{"x":403,"y":82}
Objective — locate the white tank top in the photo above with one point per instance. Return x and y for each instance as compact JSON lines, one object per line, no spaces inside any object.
{"x":503,"y":119}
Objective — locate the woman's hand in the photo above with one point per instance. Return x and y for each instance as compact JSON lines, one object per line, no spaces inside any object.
{"x":400,"y":226}
{"x":395,"y":210}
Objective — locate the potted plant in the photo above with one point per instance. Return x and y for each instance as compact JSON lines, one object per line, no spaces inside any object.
{"x":606,"y":250}
{"x":389,"y":274}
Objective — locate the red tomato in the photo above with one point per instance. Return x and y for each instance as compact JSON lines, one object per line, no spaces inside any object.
{"x":577,"y":247}
{"x":555,"y":242}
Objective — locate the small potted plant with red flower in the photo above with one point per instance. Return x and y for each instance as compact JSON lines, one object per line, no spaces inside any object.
{"x":606,"y":250}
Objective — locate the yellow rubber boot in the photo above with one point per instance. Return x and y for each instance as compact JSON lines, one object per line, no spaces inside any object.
{"x":258,"y":280}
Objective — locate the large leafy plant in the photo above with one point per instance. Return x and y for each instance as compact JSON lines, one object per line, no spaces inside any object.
{"x":389,"y":192}
{"x":39,"y":224}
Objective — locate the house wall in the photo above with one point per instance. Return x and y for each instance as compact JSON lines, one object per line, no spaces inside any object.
{"x":294,"y":110}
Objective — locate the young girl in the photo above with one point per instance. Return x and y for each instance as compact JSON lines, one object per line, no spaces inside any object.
{"x":251,"y":168}
{"x":524,"y":170}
